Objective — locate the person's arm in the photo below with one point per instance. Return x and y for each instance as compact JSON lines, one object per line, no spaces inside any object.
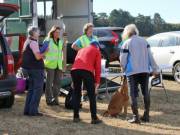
{"x":124,"y":55}
{"x":152,"y":62}
{"x":35,"y":49}
{"x":76,"y":45}
{"x":97,"y":70}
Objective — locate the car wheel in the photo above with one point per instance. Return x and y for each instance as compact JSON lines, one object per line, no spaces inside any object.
{"x":8,"y":101}
{"x":176,"y":72}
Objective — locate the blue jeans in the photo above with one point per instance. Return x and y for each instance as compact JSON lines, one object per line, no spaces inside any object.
{"x":35,"y":90}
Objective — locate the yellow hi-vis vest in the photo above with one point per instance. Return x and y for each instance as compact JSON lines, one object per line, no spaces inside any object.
{"x":53,"y":58}
{"x":85,"y":41}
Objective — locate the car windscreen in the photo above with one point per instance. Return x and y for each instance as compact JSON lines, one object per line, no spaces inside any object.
{"x":119,"y":32}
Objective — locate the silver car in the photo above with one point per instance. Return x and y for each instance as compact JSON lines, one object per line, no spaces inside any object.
{"x":165,"y":48}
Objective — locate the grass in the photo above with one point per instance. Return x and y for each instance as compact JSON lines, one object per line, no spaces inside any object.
{"x":58,"y":121}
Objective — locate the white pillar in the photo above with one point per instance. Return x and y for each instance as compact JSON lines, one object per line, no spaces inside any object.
{"x":34,"y":14}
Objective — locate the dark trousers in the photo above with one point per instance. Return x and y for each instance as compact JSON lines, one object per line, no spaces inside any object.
{"x":134,"y":81}
{"x":35,"y":90}
{"x":79,"y":76}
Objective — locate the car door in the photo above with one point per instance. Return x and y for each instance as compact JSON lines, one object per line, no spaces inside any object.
{"x":12,"y":41}
{"x":167,"y":49}
{"x":164,"y":49}
{"x":155,"y":43}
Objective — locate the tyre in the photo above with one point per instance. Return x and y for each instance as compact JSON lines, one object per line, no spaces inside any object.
{"x":176,"y":72}
{"x":8,"y":101}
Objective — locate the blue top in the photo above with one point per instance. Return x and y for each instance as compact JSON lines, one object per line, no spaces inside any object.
{"x":44,"y":46}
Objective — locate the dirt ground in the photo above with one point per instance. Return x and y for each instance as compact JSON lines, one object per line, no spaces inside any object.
{"x":58,"y":121}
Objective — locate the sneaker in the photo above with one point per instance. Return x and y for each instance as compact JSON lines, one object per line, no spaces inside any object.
{"x":96,"y":121}
{"x":26,"y":114}
{"x":76,"y":120}
{"x":134,"y":120}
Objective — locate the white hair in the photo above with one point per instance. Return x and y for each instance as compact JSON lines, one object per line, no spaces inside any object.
{"x":130,"y":30}
{"x":31,"y":30}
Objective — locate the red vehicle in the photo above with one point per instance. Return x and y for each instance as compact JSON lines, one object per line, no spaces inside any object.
{"x":7,"y":74}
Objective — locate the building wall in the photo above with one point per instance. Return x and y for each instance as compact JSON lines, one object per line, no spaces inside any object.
{"x":75,"y":14}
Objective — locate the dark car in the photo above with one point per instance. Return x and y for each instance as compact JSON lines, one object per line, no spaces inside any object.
{"x":109,"y":39}
{"x":7,"y":75}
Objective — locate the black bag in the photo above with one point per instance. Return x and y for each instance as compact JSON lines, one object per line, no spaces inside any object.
{"x":68,"y":100}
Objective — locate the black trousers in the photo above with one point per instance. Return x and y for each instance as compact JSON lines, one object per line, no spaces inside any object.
{"x":79,"y":76}
{"x":134,"y":81}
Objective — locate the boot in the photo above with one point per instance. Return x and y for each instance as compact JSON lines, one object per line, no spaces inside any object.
{"x":135,"y":118}
{"x":96,"y":121}
{"x":145,"y":117}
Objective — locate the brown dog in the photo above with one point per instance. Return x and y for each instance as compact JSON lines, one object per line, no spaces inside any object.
{"x":118,"y":102}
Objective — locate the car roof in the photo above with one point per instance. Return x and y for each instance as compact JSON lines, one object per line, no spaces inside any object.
{"x":108,"y":28}
{"x":7,"y":9}
{"x":176,"y":33}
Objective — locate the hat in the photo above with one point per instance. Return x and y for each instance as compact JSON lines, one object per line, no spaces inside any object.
{"x":95,"y":43}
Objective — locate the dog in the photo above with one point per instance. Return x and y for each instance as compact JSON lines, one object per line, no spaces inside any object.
{"x":118,"y":102}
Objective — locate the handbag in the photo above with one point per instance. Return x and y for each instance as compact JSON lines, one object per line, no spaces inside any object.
{"x":21,"y":82}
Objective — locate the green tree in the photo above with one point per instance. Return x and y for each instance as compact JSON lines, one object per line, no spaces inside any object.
{"x":159,"y":23}
{"x":144,"y":24}
{"x":120,"y":18}
{"x":100,"y":20}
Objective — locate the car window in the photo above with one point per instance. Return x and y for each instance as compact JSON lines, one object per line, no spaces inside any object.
{"x":13,"y":42}
{"x":168,"y":41}
{"x":119,"y":32}
{"x":178,"y":41}
{"x":95,"y":32}
{"x":1,"y":61}
{"x":154,"y":41}
{"x":104,"y":33}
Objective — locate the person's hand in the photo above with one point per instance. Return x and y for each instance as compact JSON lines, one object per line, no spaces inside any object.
{"x":96,"y":88}
{"x":46,"y":50}
{"x":155,"y":74}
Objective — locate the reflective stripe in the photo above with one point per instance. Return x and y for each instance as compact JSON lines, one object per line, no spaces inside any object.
{"x":124,"y":51}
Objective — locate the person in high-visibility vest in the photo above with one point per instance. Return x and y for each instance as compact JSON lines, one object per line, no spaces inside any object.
{"x":53,"y":63}
{"x":86,"y":38}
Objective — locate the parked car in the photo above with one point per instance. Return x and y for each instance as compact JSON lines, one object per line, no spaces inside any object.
{"x":109,"y":38}
{"x":165,"y":48}
{"x":7,"y":75}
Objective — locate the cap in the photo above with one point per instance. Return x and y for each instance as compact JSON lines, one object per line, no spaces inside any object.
{"x":95,"y":43}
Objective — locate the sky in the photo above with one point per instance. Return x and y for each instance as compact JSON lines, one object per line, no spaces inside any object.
{"x":168,"y":9}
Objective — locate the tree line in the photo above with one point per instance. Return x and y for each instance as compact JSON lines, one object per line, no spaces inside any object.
{"x":147,"y":26}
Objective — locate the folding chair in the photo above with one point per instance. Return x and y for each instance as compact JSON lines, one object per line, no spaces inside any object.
{"x":157,"y":82}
